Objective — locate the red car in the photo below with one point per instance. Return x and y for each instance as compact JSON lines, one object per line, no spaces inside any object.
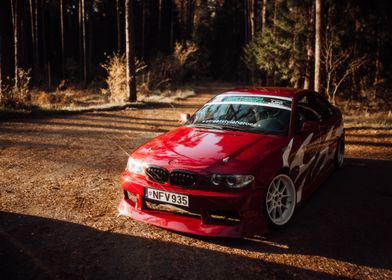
{"x":239,"y":166}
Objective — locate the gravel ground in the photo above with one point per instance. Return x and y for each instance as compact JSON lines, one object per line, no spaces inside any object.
{"x":59,"y":192}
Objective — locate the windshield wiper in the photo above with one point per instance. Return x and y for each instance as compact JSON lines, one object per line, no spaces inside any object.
{"x":207,"y":125}
{"x":235,"y":128}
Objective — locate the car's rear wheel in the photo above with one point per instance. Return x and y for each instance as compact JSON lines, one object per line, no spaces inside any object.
{"x":339,"y":154}
{"x":280,"y":200}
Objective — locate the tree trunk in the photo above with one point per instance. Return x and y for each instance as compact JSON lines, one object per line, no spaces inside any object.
{"x":83,"y":22}
{"x":62,"y":39}
{"x":264,"y":16}
{"x":257,"y":5}
{"x":246,"y":21}
{"x":317,"y":46}
{"x":44,"y":53}
{"x":182,"y":20}
{"x":159,"y":18}
{"x":15,"y":29}
{"x":274,"y":18}
{"x":118,"y":22}
{"x":33,"y":39}
{"x":294,"y":51}
{"x":159,"y":37}
{"x":171,"y":44}
{"x":190,"y":14}
{"x":251,"y":14}
{"x":90,"y":38}
{"x":1,"y":81}
{"x":36,"y":41}
{"x":22,"y":55}
{"x":80,"y":40}
{"x":130,"y":51}
{"x":309,"y":50}
{"x":143,"y":31}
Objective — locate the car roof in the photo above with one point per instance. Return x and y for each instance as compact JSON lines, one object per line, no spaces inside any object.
{"x":273,"y":91}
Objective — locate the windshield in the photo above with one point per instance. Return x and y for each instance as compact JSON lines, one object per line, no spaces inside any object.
{"x":258,"y":114}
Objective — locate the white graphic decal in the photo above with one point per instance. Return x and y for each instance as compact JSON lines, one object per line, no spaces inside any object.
{"x":302,"y":169}
{"x":286,"y":153}
{"x":299,"y":157}
{"x":299,"y":192}
{"x":298,"y":161}
{"x":339,"y":131}
{"x":324,"y":154}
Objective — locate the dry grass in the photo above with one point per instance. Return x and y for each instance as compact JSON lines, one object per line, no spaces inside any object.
{"x":79,"y":100}
{"x":17,"y":97}
{"x":69,"y":98}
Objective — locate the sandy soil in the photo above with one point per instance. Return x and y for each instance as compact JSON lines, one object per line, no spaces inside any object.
{"x":59,"y":192}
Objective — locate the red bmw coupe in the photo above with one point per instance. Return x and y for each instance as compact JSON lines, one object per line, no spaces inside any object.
{"x":239,"y":166}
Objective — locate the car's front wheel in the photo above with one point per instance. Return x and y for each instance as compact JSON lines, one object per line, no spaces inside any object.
{"x":280,"y":200}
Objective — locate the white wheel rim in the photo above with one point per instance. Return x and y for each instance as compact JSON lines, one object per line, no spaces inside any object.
{"x":280,"y":200}
{"x":340,"y":154}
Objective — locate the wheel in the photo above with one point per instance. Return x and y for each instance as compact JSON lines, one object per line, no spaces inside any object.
{"x":339,"y":154}
{"x":280,"y":200}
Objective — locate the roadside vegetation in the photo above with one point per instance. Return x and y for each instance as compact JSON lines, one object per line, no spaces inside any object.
{"x":76,"y":54}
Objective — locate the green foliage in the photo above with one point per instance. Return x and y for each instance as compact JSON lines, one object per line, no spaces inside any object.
{"x":279,"y":51}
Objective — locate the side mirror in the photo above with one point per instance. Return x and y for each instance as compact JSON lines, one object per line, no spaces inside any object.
{"x":309,"y":126}
{"x":184,"y":118}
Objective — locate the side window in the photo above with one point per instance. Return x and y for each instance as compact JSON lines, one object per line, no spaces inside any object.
{"x":321,"y":106}
{"x":305,"y":112}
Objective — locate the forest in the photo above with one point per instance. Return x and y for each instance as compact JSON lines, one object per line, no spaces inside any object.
{"x":123,"y":49}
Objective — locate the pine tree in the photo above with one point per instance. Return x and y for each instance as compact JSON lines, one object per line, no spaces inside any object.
{"x":279,"y":51}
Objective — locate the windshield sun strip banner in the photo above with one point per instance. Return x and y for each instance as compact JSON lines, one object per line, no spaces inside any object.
{"x":254,"y":99}
{"x":252,"y":103}
{"x":256,"y":95}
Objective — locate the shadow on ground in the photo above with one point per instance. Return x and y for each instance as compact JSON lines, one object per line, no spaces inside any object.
{"x":35,"y":247}
{"x":348,"y":218}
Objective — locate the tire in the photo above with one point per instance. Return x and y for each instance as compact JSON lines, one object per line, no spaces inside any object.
{"x":339,"y":153}
{"x":280,"y":201}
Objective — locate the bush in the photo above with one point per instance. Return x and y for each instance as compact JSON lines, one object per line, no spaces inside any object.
{"x":117,"y":77}
{"x":165,"y":71}
{"x":174,"y":69}
{"x":18,"y":97}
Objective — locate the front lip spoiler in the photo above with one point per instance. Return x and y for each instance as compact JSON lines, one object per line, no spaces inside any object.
{"x":181,"y":223}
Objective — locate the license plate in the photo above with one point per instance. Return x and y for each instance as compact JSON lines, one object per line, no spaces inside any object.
{"x":169,"y":197}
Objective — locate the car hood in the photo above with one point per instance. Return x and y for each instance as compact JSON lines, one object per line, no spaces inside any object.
{"x":198,"y":148}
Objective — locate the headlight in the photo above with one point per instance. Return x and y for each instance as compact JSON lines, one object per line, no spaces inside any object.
{"x":232,"y":181}
{"x":135,"y":166}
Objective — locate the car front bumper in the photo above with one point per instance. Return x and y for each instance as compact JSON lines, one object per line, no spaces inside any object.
{"x":203,"y":208}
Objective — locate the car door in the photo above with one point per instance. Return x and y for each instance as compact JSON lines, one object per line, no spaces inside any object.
{"x":306,"y":145}
{"x":307,"y":113}
{"x":326,"y":144}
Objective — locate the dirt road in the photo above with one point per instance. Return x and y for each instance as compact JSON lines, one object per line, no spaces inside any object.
{"x":59,"y":192}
